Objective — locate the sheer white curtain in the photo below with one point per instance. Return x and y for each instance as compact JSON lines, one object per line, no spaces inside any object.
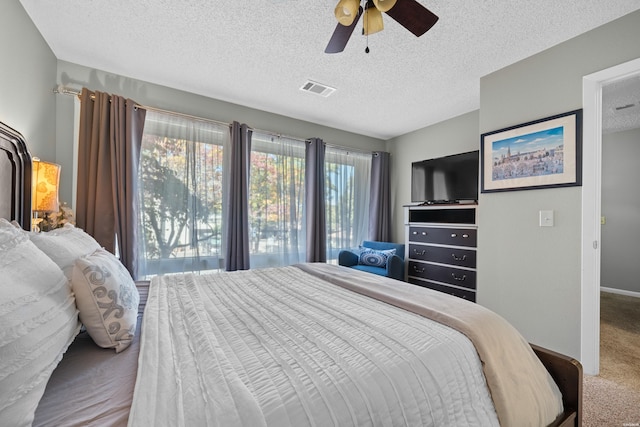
{"x":181,"y":185}
{"x":347,"y":193}
{"x":276,"y":201}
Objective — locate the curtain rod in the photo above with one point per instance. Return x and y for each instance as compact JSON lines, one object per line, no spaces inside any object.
{"x":279,"y":135}
{"x":74,"y":92}
{"x":326,"y":144}
{"x":355,"y":150}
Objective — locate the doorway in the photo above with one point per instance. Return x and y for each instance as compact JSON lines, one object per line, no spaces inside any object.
{"x":591,"y":207}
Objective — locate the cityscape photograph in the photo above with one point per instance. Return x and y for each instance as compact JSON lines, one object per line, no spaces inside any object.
{"x":535,"y":154}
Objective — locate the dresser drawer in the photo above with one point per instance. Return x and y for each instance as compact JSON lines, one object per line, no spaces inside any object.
{"x":461,"y":293}
{"x":444,"y":236}
{"x":444,"y":255}
{"x":452,"y":275}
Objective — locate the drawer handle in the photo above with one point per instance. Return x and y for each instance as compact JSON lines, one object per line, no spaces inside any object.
{"x":417,"y":270}
{"x":417,"y":252}
{"x":464,"y":236}
{"x":459,"y":258}
{"x":459,"y":278}
{"x":424,"y":233}
{"x":415,"y":232}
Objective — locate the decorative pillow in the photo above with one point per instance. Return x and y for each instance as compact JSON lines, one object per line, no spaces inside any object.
{"x":107,"y":299}
{"x":373,"y":257}
{"x":65,"y":245}
{"x":38,"y":319}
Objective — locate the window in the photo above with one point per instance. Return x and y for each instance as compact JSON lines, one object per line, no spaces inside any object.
{"x":181,"y":171}
{"x":182,"y":181}
{"x":276,"y":200}
{"x":347,"y":187}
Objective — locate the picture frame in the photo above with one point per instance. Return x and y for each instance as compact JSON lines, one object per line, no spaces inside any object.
{"x":545,"y":153}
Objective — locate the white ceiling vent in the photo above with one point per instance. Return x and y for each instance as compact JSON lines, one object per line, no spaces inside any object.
{"x":624,"y":107}
{"x":318,"y":88}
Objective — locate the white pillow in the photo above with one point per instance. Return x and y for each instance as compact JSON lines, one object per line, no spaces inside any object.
{"x":107,"y":299}
{"x":38,"y":319}
{"x":65,"y":245}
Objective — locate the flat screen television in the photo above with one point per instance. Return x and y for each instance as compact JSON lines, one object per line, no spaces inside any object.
{"x":450,"y":179}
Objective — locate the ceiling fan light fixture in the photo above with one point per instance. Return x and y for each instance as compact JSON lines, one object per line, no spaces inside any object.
{"x":372,"y":21}
{"x":346,"y":11}
{"x":384,"y":5}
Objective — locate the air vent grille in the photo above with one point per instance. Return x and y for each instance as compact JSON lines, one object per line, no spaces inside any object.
{"x":317,"y":88}
{"x":624,"y":107}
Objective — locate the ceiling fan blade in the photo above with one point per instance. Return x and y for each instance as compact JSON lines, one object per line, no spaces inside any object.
{"x":341,"y":35}
{"x":413,"y":16}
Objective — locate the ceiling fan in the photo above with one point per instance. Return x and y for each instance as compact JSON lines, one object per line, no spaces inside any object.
{"x":408,"y":13}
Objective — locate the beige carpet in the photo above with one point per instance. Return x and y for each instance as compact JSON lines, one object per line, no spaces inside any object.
{"x":607,"y":403}
{"x":613,"y":397}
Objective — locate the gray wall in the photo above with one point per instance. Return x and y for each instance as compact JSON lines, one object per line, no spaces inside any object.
{"x":532,"y":275}
{"x":77,"y":76}
{"x":620,"y":268}
{"x":528,"y":274}
{"x":457,"y":135}
{"x":28,"y":68}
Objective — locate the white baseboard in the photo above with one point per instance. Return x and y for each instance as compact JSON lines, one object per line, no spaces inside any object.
{"x":620,"y":292}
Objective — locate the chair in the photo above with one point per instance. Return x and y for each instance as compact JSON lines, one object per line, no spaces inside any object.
{"x":394,"y":266}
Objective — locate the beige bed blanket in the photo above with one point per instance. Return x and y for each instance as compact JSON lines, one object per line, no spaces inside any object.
{"x":523,"y":392}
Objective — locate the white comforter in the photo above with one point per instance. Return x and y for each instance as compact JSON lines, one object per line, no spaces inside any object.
{"x":283,"y":347}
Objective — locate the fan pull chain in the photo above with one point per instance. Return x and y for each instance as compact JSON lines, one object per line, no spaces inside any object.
{"x":366,"y":50}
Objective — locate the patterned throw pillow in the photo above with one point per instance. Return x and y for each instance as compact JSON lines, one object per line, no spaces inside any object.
{"x":107,"y":299}
{"x":373,"y":257}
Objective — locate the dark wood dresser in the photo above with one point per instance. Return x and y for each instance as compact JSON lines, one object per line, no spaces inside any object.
{"x":441,"y":248}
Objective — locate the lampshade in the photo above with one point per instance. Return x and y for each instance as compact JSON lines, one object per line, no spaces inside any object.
{"x":384,"y":5}
{"x":46,"y":178}
{"x":372,"y":21}
{"x":346,"y":11}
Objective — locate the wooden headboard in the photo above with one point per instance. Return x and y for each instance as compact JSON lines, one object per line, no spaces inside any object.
{"x":15,"y":177}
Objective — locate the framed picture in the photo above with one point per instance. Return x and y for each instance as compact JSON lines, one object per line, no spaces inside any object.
{"x":545,"y":153}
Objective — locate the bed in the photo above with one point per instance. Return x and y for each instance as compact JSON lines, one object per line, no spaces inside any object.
{"x":311,"y":344}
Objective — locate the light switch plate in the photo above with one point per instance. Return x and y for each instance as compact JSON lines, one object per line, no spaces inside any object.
{"x":546,"y":218}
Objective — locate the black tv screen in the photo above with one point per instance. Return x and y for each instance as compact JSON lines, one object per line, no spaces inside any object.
{"x":447,"y":179}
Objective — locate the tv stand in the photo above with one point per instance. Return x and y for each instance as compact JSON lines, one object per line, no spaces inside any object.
{"x":447,"y":202}
{"x":441,"y":214}
{"x":441,"y":248}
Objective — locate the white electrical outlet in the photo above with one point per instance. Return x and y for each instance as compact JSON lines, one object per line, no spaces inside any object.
{"x":546,"y":218}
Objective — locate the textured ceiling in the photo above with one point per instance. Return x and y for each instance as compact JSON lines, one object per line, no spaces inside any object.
{"x":258,"y":53}
{"x":621,"y":105}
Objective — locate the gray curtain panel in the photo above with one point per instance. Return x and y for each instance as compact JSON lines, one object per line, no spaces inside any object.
{"x":237,"y":218}
{"x":315,"y":201}
{"x":380,"y":201}
{"x":108,"y":158}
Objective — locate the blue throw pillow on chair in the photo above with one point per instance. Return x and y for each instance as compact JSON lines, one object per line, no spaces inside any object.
{"x":373,"y":257}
